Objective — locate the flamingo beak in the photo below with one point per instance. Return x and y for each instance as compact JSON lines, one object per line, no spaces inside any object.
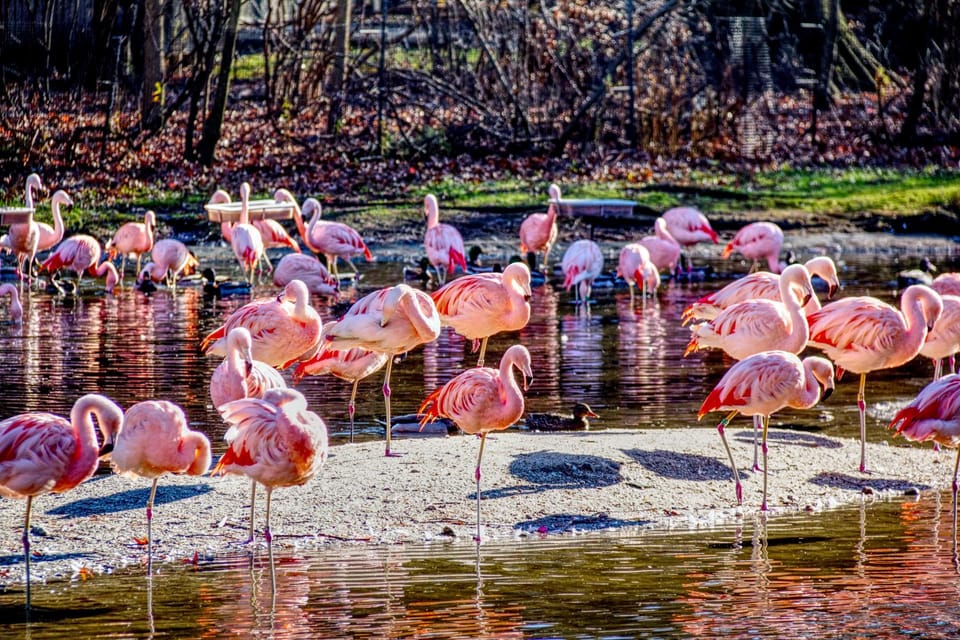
{"x":106,"y":449}
{"x":832,"y":290}
{"x":826,"y":393}
{"x":591,"y":414}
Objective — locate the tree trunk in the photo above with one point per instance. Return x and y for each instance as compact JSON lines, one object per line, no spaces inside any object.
{"x":338,"y":74}
{"x":151,"y":97}
{"x":210,"y":136}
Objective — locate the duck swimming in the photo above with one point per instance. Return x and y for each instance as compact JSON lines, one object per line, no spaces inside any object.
{"x":214,"y":287}
{"x":559,"y":422}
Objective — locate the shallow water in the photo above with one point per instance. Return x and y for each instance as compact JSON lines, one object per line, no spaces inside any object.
{"x":886,"y":572}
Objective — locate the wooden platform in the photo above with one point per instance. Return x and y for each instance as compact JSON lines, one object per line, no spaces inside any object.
{"x":258,"y":210}
{"x":15,"y":215}
{"x":599,"y":208}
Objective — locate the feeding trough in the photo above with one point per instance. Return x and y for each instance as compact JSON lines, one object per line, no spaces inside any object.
{"x":15,"y":215}
{"x":596,"y":208}
{"x":257,"y":209}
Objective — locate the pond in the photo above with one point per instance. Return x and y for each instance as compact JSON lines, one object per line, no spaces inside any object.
{"x":888,"y":573}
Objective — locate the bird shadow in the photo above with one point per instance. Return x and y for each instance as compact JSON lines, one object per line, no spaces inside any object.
{"x":790,"y":437}
{"x":844,"y":481}
{"x":564,"y":522}
{"x":682,"y":466}
{"x":17,"y":558}
{"x":549,"y":471}
{"x":127,"y":500}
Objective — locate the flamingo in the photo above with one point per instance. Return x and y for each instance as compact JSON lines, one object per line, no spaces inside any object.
{"x":79,"y":253}
{"x":760,"y":325}
{"x":245,"y":239}
{"x":335,"y":240}
{"x":582,"y":263}
{"x":480,"y":305}
{"x":761,"y":284}
{"x":663,"y":248}
{"x":271,"y":231}
{"x":863,"y":334}
{"x":352,"y":365}
{"x":42,"y":452}
{"x":392,"y":321}
{"x":108,"y":269}
{"x":51,"y":236}
{"x":947,"y":283}
{"x":155,"y":439}
{"x":23,"y":238}
{"x":943,"y":340}
{"x":538,"y":231}
{"x":481,"y":400}
{"x":761,"y":385}
{"x":310,"y":271}
{"x":935,"y":415}
{"x":16,"y":309}
{"x":688,"y":226}
{"x":274,"y":440}
{"x":756,"y":241}
{"x":283,"y":328}
{"x":169,"y":260}
{"x":635,"y":267}
{"x":133,"y":237}
{"x":443,"y":242}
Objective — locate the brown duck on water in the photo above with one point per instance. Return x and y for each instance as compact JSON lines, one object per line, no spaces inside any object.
{"x":559,"y":422}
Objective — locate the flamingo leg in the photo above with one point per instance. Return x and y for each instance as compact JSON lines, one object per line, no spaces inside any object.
{"x":266,"y":531}
{"x":153,"y":494}
{"x":253,"y":501}
{"x":954,"y":487}
{"x":483,"y":440}
{"x":26,"y":545}
{"x":862,"y":408}
{"x":757,"y":426}
{"x":951,"y":363}
{"x":765,"y":420}
{"x":386,"y":401}
{"x":631,"y":293}
{"x":937,"y":368}
{"x":352,"y":407}
{"x":733,"y":465}
{"x":483,"y":351}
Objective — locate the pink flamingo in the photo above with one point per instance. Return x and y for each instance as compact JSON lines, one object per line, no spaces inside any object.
{"x":245,"y":239}
{"x":443,"y":242}
{"x":271,"y":231}
{"x":582,"y":263}
{"x":283,"y":328}
{"x":761,"y":284}
{"x":863,"y":334}
{"x":761,"y":385}
{"x":663,"y":248}
{"x":635,"y":267}
{"x":41,"y":452}
{"x":352,"y":365}
{"x":23,"y":238}
{"x":156,"y":439}
{"x":169,"y":260}
{"x":135,"y":238}
{"x":935,"y":415}
{"x":274,"y":440}
{"x":16,"y":309}
{"x":335,"y":240}
{"x":538,"y":231}
{"x":480,"y":305}
{"x":391,"y":321}
{"x":310,"y":271}
{"x":752,"y":326}
{"x":947,"y":284}
{"x":481,"y":400}
{"x":51,"y":236}
{"x":943,"y":340}
{"x":756,"y":241}
{"x":79,"y":253}
{"x":688,"y":226}
{"x":108,"y":269}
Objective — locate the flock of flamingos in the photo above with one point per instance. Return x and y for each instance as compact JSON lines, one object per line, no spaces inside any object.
{"x":763,"y":320}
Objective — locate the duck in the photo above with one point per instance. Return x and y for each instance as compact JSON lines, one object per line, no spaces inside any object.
{"x":559,"y":422}
{"x":214,"y":287}
{"x":921,"y":275}
{"x":474,"y":263}
{"x":423,"y":272}
{"x":408,"y":424}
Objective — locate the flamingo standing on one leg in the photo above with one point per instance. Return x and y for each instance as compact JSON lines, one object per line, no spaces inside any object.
{"x":943,"y":340}
{"x":443,"y":243}
{"x":688,"y":227}
{"x":283,"y":328}
{"x":392,"y":321}
{"x":156,"y":439}
{"x":51,"y":236}
{"x":761,"y":385}
{"x":480,"y":305}
{"x":274,"y":440}
{"x":169,"y":260}
{"x":538,"y":231}
{"x":663,"y":248}
{"x":135,"y":238}
{"x":582,"y":263}
{"x":352,"y":365}
{"x":335,"y":240}
{"x":16,"y":309}
{"x":310,"y":271}
{"x":79,"y":253}
{"x":863,"y":334}
{"x":761,"y":284}
{"x":635,"y":267}
{"x":758,"y":241}
{"x":481,"y":400}
{"x":245,"y":239}
{"x":41,"y":452}
{"x":935,"y":415}
{"x":23,"y":237}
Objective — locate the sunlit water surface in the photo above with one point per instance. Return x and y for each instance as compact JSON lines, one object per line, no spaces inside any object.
{"x":883,"y":570}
